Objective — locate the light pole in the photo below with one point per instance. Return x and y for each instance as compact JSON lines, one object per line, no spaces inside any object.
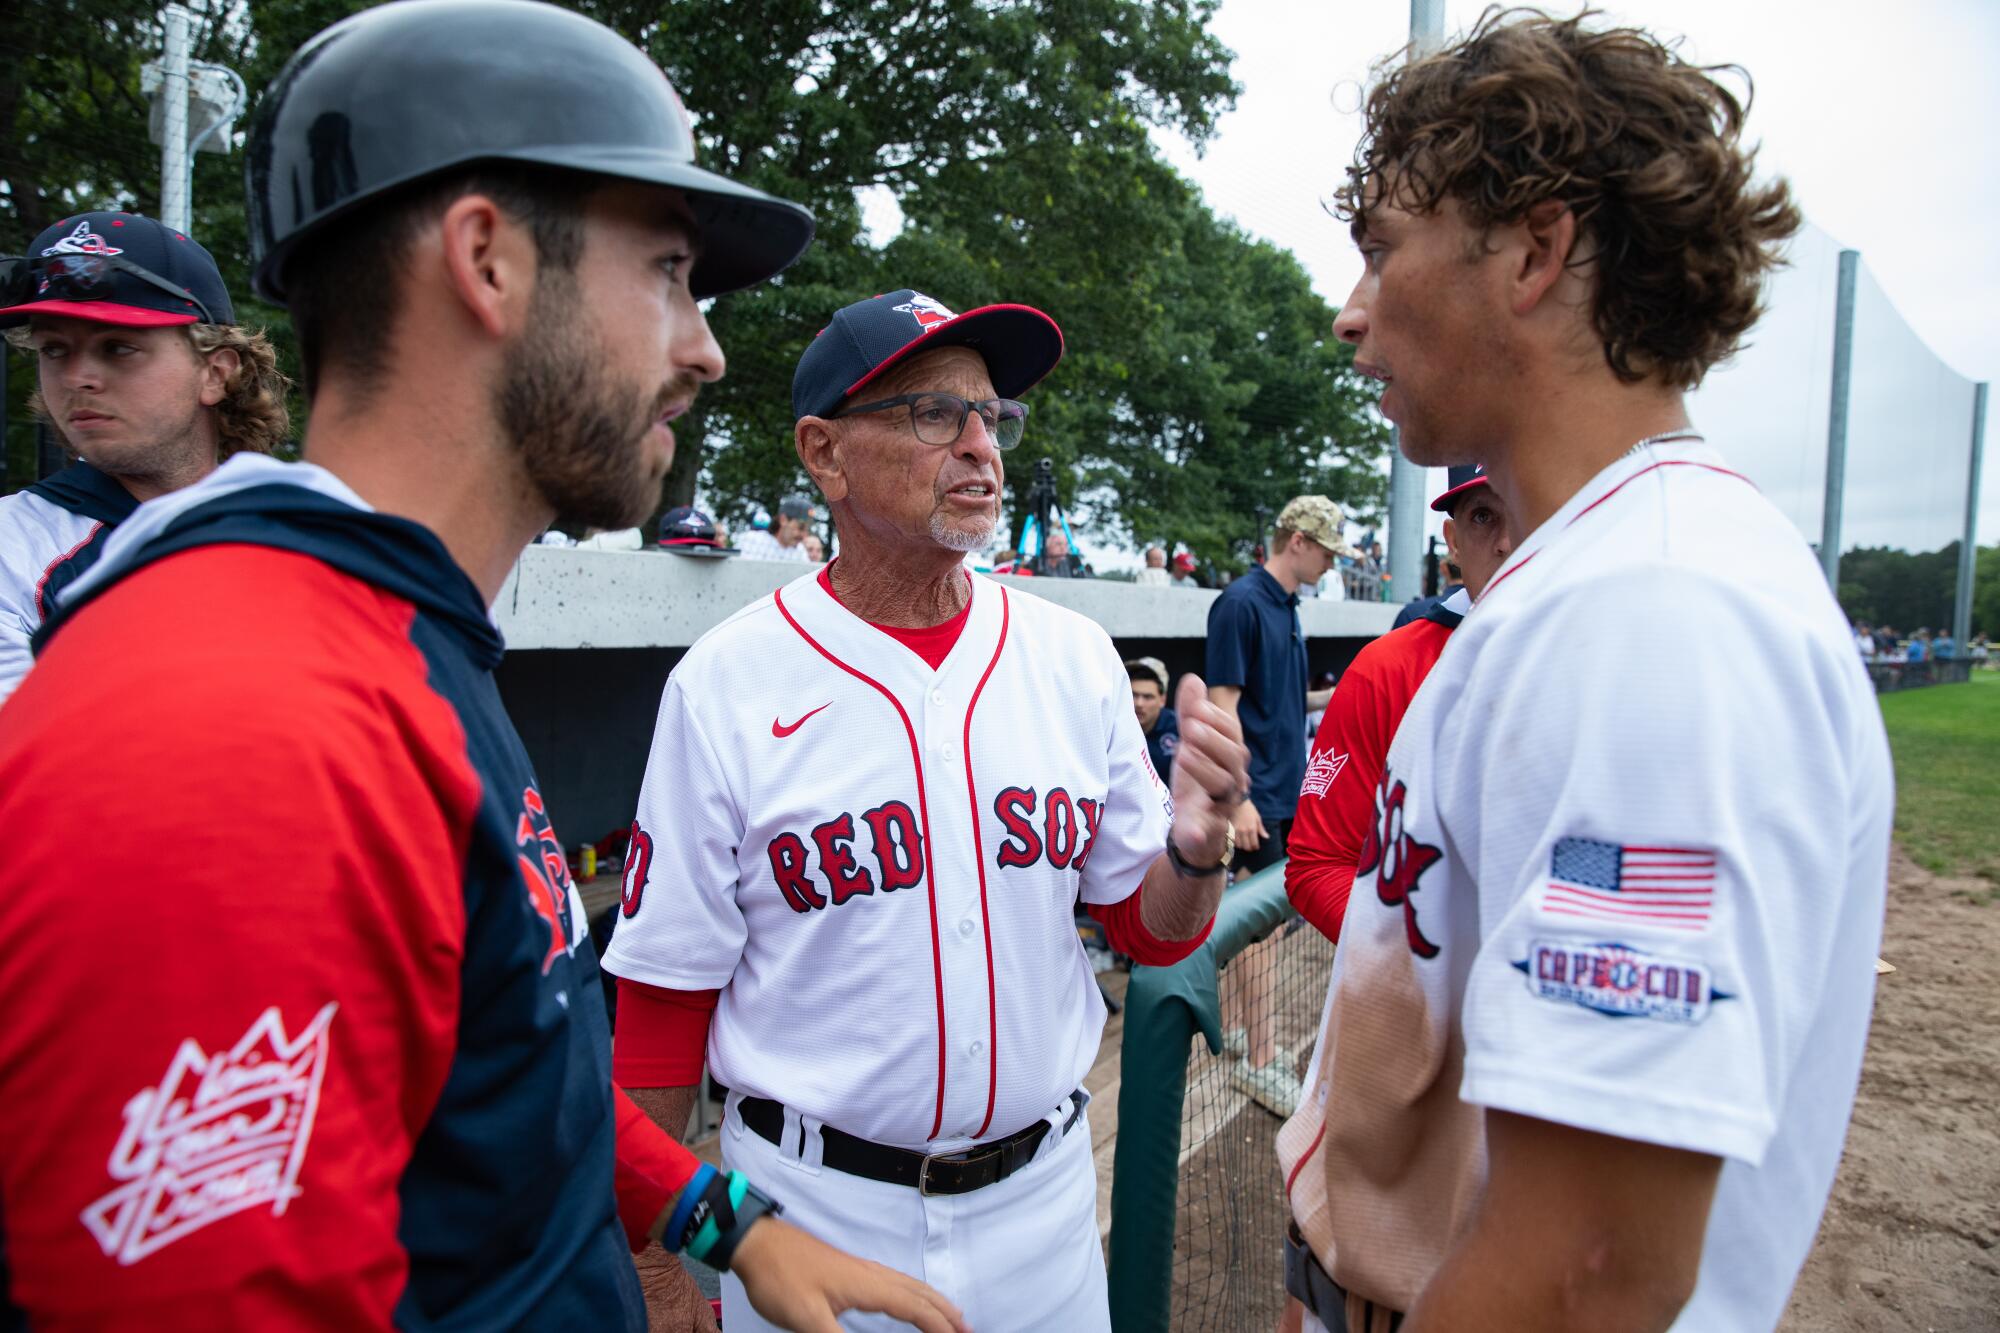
{"x":1406,"y":479}
{"x":195,"y":106}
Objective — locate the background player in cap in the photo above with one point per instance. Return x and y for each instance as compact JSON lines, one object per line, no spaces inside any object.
{"x":864,"y":856}
{"x":1604,"y":979}
{"x":786,"y":537}
{"x":1336,"y":806}
{"x":1451,"y":577}
{"x":143,"y":372}
{"x":373,"y":1087}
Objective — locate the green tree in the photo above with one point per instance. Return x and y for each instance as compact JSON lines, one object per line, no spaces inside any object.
{"x":1201,"y":384}
{"x":1986,"y":591}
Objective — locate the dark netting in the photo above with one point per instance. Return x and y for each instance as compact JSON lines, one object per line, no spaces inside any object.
{"x":1230,"y":1222}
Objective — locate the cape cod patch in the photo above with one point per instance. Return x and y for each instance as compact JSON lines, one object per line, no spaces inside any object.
{"x":1618,"y":980}
{"x":218,"y":1134}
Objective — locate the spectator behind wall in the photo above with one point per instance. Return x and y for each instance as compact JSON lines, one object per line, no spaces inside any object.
{"x":1057,"y":560}
{"x":1155,"y":571}
{"x":1160,"y":723}
{"x":786,"y":537}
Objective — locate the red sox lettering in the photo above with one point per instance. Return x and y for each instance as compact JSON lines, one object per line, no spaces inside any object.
{"x":1059,"y":829}
{"x":638,"y":860}
{"x":895,"y":845}
{"x":1402,"y":861}
{"x":545,"y":871}
{"x":1068,"y":828}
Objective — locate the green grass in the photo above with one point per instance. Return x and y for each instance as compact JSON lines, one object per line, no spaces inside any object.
{"x":1947,"y":744}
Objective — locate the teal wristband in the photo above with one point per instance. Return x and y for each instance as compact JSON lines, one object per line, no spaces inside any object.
{"x":715,"y":1215}
{"x":750,"y":1205}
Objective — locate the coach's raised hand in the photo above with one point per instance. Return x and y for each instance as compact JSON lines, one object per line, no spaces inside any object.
{"x":1211,"y":779}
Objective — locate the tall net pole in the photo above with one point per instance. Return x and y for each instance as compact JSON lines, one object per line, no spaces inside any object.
{"x":1968,"y":546}
{"x":1836,"y":421}
{"x":1406,"y":479}
{"x":175,"y":209}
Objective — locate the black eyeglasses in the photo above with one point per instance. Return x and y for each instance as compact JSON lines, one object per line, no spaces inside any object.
{"x":939,"y":418}
{"x":81,"y":278}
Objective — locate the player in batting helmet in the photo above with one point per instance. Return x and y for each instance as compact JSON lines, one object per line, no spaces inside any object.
{"x":404,"y":92}
{"x":487,"y":222}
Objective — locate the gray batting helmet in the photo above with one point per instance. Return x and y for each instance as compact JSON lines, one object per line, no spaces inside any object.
{"x":412,"y":89}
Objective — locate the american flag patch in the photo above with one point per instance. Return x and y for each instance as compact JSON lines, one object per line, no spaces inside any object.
{"x":1670,"y":887}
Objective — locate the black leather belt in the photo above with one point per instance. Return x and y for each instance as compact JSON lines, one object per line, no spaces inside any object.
{"x":959,"y":1172}
{"x":1315,"y":1289}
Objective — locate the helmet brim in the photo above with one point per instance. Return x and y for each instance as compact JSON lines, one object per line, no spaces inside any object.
{"x":747,"y":236}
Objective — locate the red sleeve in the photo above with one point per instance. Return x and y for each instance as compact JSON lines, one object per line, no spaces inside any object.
{"x":652,"y":1168}
{"x":662,"y":1035}
{"x":1338,"y":801}
{"x":229,"y":1016}
{"x":1125,"y":927}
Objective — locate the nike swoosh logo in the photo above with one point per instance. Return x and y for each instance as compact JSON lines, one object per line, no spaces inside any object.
{"x":780,"y":730}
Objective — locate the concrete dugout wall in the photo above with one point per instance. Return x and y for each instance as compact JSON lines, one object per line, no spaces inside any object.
{"x":592,"y":635}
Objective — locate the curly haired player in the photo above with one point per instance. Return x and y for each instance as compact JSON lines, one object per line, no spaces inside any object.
{"x":144,"y":373}
{"x":1605,"y":975}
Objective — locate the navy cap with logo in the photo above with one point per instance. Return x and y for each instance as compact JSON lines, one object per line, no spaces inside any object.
{"x":1457,"y":482}
{"x":685,"y":530}
{"x":862,"y":341}
{"x":115,"y":268}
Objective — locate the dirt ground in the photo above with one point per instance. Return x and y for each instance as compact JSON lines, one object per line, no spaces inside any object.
{"x":1911,"y":1240}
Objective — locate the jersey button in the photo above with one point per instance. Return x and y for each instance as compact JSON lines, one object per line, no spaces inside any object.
{"x":937,"y":697}
{"x":965,"y":927}
{"x":977,"y":1048}
{"x":948,"y":750}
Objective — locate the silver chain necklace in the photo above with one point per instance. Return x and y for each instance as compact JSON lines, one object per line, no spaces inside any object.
{"x":1666,"y":437}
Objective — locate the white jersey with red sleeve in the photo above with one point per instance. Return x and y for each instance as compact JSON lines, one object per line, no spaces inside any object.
{"x":35,"y":537}
{"x":877,"y":863}
{"x":1627,"y":874}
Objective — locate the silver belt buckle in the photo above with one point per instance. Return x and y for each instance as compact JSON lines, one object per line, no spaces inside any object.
{"x":924,"y":1174}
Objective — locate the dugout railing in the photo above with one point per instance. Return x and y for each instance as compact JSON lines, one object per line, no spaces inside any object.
{"x":1197,"y":1200}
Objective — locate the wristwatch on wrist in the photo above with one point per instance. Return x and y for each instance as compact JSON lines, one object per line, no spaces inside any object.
{"x":1188,"y":871}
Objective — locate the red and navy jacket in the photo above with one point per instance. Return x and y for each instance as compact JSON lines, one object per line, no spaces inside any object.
{"x":304,"y":1027}
{"x":1336,"y":810}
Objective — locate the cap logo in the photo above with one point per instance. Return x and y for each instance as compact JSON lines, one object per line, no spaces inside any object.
{"x":928,"y":313}
{"x":82,"y":241}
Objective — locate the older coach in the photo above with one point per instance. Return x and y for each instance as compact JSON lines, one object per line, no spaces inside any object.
{"x":863,"y":856}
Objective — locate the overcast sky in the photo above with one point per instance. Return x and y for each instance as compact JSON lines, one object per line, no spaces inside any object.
{"x":1881,"y":116}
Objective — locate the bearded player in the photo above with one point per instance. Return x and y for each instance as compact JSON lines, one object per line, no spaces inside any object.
{"x":368,"y":1080}
{"x":856,"y":866}
{"x":1604,"y":979}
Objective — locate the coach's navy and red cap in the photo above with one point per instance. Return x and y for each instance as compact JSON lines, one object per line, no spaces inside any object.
{"x":1020,"y":344}
{"x":118,"y":295}
{"x":1457,"y":482}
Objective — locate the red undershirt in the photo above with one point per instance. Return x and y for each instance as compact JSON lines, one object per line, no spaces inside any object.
{"x":663,"y":1033}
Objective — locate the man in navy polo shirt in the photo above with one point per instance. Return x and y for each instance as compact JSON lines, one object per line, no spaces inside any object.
{"x":1256,"y":669}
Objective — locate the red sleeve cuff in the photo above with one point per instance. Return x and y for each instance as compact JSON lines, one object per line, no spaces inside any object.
{"x":651,"y":1169}
{"x":1320,"y":893}
{"x":662,"y":1035}
{"x":1125,"y":927}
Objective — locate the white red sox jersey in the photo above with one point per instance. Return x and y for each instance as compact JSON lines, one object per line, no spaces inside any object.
{"x":49,"y":534}
{"x":1627,"y":874}
{"x":877,"y":863}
